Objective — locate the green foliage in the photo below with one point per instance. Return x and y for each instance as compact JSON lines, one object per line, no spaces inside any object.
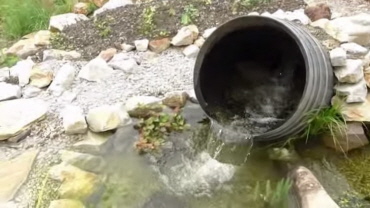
{"x":352,"y":200}
{"x":326,"y":120}
{"x":273,"y":197}
{"x":92,"y":7}
{"x":251,"y":3}
{"x":103,"y":27}
{"x":154,"y":130}
{"x":21,"y":17}
{"x":190,"y":14}
{"x":7,"y":60}
{"x":147,"y":16}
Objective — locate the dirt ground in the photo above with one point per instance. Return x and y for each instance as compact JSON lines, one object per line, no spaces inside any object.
{"x":128,"y":24}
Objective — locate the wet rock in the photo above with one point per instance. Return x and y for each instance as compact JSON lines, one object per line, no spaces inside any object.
{"x":350,"y":29}
{"x":106,"y":118}
{"x":141,"y":45}
{"x":59,"y":22}
{"x":9,"y":91}
{"x":310,"y":192}
{"x":93,"y":143}
{"x":122,"y":62}
{"x":161,"y":200}
{"x":4,"y":74}
{"x":112,"y":4}
{"x":22,"y":70}
{"x":352,"y":72}
{"x":63,"y":80}
{"x":60,"y":55}
{"x":14,"y":172}
{"x":352,"y":93}
{"x":338,"y":57}
{"x":76,"y":183}
{"x":185,"y":36}
{"x":30,"y":92}
{"x":127,"y":47}
{"x":73,"y":120}
{"x":208,"y":32}
{"x":108,"y":54}
{"x":83,"y":161}
{"x":191,"y":51}
{"x":41,"y":75}
{"x":298,"y":15}
{"x":142,"y":106}
{"x":354,"y":48}
{"x":318,"y":11}
{"x":159,"y":45}
{"x":353,"y":138}
{"x":283,"y":154}
{"x":175,"y":99}
{"x":81,"y":8}
{"x":199,"y":42}
{"x":96,"y":70}
{"x":18,"y":115}
{"x":66,"y":203}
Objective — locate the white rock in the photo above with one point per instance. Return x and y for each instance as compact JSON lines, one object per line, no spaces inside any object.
{"x":96,"y":70}
{"x":60,"y":55}
{"x":60,"y":22}
{"x":22,"y":70}
{"x":17,"y":115}
{"x":191,"y":51}
{"x":192,"y":96}
{"x":31,"y":91}
{"x":73,"y":120}
{"x":127,"y":47}
{"x":354,"y":48}
{"x":280,"y":14}
{"x":352,"y":72}
{"x":112,"y":4}
{"x":353,"y":93}
{"x":266,"y":14}
{"x":141,"y":45}
{"x":338,"y":57}
{"x":63,"y":80}
{"x":253,"y":13}
{"x":185,"y":36}
{"x":298,"y":15}
{"x":350,"y":29}
{"x":321,"y":23}
{"x":9,"y":91}
{"x":122,"y":62}
{"x":199,"y":42}
{"x":105,"y":118}
{"x":208,"y":32}
{"x":4,"y":74}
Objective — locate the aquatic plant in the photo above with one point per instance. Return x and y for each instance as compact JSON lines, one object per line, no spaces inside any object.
{"x":273,"y":197}
{"x":154,"y":129}
{"x":326,"y":120}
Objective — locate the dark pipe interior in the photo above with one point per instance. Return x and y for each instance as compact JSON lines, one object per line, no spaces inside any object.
{"x":248,"y":59}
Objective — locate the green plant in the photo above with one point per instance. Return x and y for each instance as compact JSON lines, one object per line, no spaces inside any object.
{"x":7,"y":60}
{"x":154,"y":129}
{"x":189,"y":15}
{"x":147,"y":16}
{"x":103,"y":27}
{"x":251,"y":3}
{"x":92,"y":7}
{"x":21,"y":17}
{"x":326,"y":120}
{"x":273,"y":197}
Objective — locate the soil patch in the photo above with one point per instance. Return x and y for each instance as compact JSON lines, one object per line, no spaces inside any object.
{"x":157,"y":19}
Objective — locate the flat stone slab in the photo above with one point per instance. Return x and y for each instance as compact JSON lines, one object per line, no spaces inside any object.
{"x":355,"y":111}
{"x":17,"y":115}
{"x":14,"y":173}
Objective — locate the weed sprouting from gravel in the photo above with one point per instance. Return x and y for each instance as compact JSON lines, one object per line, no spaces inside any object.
{"x":190,"y":14}
{"x":148,"y":24}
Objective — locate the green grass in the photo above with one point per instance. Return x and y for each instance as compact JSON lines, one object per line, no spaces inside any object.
{"x":326,"y":120}
{"x":7,"y":60}
{"x":273,"y":197}
{"x":21,"y":17}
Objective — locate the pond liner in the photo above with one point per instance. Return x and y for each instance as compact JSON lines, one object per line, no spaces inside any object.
{"x":271,"y":42}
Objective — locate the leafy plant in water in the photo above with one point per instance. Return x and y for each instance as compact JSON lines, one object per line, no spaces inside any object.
{"x":189,"y":15}
{"x":148,"y":25}
{"x":276,"y":197}
{"x":154,"y":129}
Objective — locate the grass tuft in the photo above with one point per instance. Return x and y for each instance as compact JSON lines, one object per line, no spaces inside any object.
{"x":273,"y":197}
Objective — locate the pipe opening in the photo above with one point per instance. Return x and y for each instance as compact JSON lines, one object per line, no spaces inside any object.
{"x":252,"y":79}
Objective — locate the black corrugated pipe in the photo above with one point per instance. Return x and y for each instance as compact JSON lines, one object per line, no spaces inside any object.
{"x":271,"y":44}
